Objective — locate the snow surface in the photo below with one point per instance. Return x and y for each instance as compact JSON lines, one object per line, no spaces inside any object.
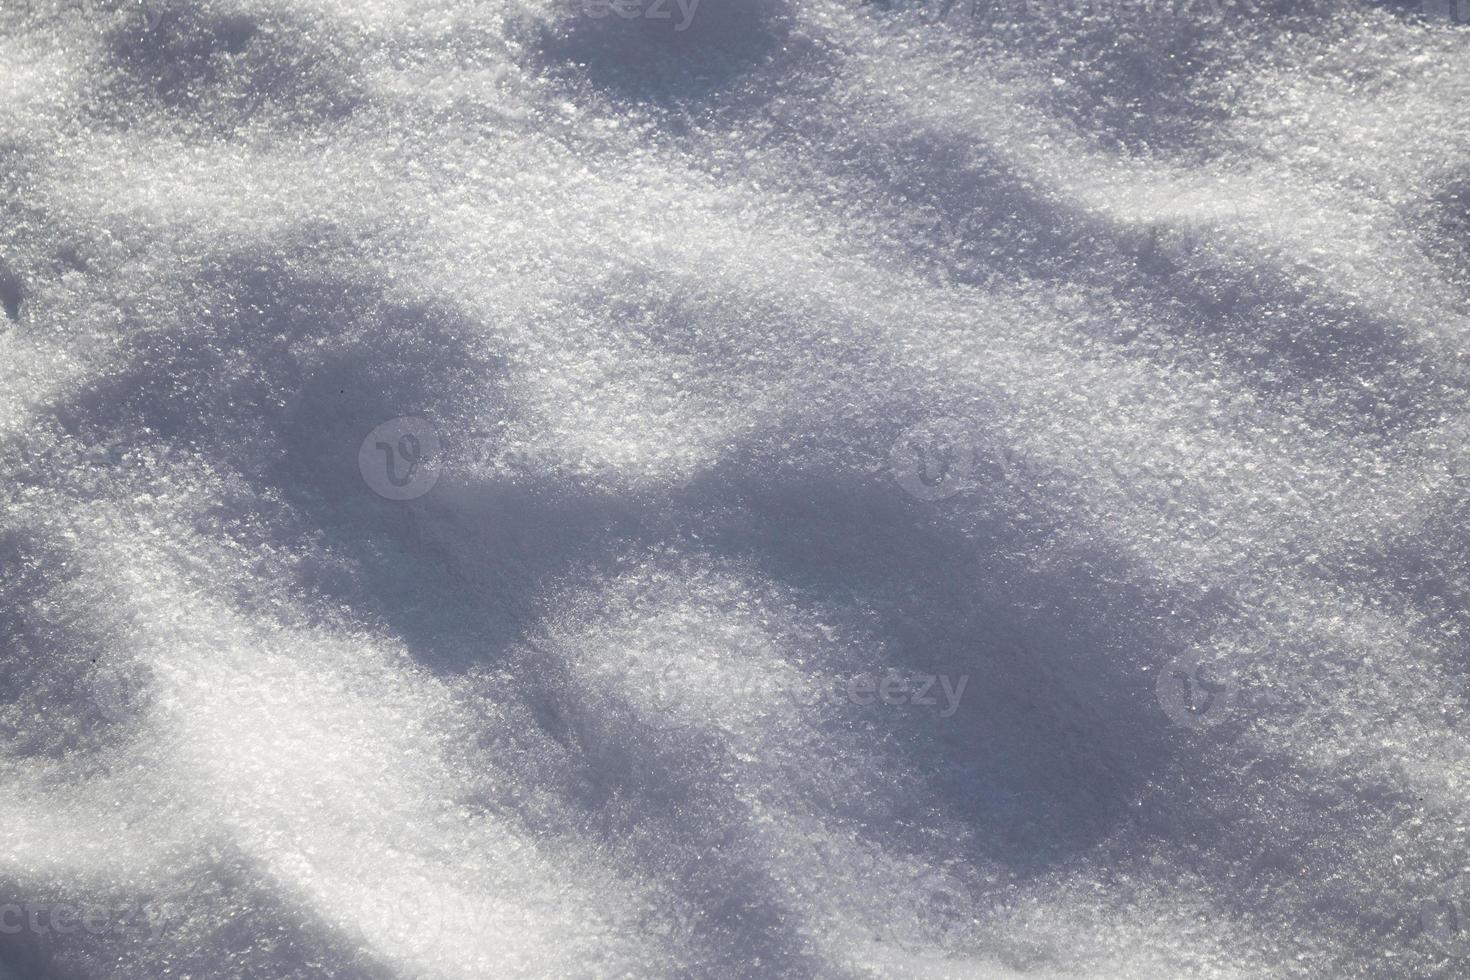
{"x":679,"y":330}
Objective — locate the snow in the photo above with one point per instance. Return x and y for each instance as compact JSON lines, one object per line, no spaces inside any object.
{"x":792,"y":488}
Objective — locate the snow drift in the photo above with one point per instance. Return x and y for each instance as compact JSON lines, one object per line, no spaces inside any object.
{"x":828,"y":489}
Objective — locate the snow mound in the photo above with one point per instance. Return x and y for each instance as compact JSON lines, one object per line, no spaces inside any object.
{"x":787,"y":488}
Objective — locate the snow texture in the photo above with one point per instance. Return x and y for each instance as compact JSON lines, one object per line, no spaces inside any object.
{"x":755,"y":488}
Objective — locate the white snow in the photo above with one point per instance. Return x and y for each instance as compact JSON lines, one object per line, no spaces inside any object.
{"x":663,"y":643}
